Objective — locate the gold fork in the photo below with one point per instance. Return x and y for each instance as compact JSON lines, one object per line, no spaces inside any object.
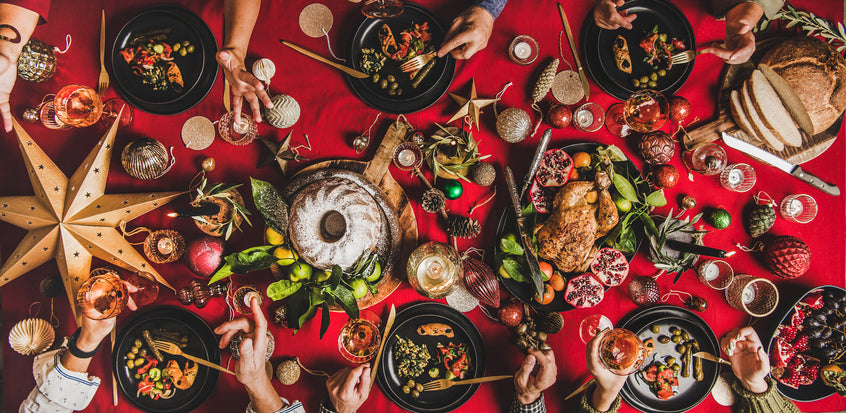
{"x":444,"y":384}
{"x":103,"y":82}
{"x":417,"y":62}
{"x":685,"y":56}
{"x":171,"y":348}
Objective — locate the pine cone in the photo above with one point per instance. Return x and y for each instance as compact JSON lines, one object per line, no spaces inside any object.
{"x":483,"y":173}
{"x":545,"y":81}
{"x":433,"y":200}
{"x":761,"y":219}
{"x":657,"y":148}
{"x":463,"y":227}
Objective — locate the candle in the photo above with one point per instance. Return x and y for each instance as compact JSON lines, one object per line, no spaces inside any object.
{"x":406,"y":158}
{"x":735,"y":177}
{"x":748,"y":294}
{"x":710,"y":272}
{"x":435,"y":270}
{"x":695,"y":249}
{"x":241,"y":127}
{"x":584,"y":118}
{"x":165,"y":246}
{"x":522,"y":50}
{"x":205,"y":209}
{"x":795,"y":207}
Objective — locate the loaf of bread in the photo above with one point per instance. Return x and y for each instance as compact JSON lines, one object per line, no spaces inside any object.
{"x":790,"y":99}
{"x":761,"y":130}
{"x":741,"y":118}
{"x":816,"y":73}
{"x":768,"y":104}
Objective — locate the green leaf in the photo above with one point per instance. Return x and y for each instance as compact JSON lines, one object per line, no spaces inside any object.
{"x":624,"y":187}
{"x":224,"y":272}
{"x":315,"y":297}
{"x":613,"y":153}
{"x":510,"y":246}
{"x":515,"y":269}
{"x":324,"y":319}
{"x":656,"y":199}
{"x":308,"y":315}
{"x":335,"y":278}
{"x":282,"y":289}
{"x":298,"y":305}
{"x":346,"y":300}
{"x":271,"y":205}
{"x":251,"y":259}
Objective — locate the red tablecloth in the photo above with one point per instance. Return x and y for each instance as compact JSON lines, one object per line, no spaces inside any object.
{"x":332,"y":116}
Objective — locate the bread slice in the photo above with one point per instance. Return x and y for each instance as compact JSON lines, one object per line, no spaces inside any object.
{"x":757,"y":124}
{"x":741,"y":118}
{"x":766,"y":102}
{"x":789,"y":98}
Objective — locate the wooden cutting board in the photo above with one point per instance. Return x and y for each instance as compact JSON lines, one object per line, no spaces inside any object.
{"x":732,"y":78}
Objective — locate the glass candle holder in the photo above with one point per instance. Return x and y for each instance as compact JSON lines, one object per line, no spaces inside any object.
{"x":47,"y":115}
{"x":706,"y":159}
{"x":237,"y":133}
{"x":103,"y":295}
{"x":739,"y":177}
{"x":77,"y":105}
{"x":800,"y":208}
{"x":111,"y":109}
{"x":756,"y":296}
{"x":359,"y":339}
{"x":716,"y":274}
{"x":589,"y":117}
{"x":646,"y":111}
{"x":407,"y":156}
{"x":433,"y":269}
{"x":615,"y":121}
{"x":621,"y":351}
{"x":523,"y":50}
{"x":244,"y":296}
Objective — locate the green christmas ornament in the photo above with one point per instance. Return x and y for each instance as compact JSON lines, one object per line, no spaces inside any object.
{"x":762,"y":216}
{"x":453,"y":189}
{"x":719,"y":218}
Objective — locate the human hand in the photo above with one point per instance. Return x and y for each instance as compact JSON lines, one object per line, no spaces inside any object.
{"x":608,"y":384}
{"x":749,"y":361}
{"x":740,"y":41}
{"x":8,"y":74}
{"x":242,"y":84}
{"x":607,"y":17}
{"x":349,"y":388}
{"x":92,"y":332}
{"x":529,"y":382}
{"x":249,"y":370}
{"x":468,"y":34}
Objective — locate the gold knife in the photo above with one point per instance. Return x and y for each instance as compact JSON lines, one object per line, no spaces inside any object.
{"x":481,"y":380}
{"x":710,"y":357}
{"x":114,"y":380}
{"x":348,"y":70}
{"x":581,"y":388}
{"x":387,"y":330}
{"x":569,"y":33}
{"x":226,"y":104}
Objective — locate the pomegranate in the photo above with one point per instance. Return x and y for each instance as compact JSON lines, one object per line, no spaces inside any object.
{"x":781,"y":353}
{"x":205,"y":255}
{"x":610,"y":267}
{"x":511,"y":314}
{"x":665,"y":176}
{"x":679,"y":108}
{"x":558,"y":116}
{"x":814,"y":301}
{"x":584,"y":291}
{"x":554,"y":168}
{"x":541,"y":197}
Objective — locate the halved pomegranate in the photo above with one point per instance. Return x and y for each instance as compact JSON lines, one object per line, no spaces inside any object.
{"x":815,"y":301}
{"x":541,"y":197}
{"x":584,"y":291}
{"x":554,"y":168}
{"x":610,"y":266}
{"x":781,"y":353}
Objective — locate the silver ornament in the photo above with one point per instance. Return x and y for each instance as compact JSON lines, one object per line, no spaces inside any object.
{"x":145,"y":158}
{"x":285,"y":112}
{"x":513,"y":125}
{"x":360,"y":143}
{"x":264,"y":70}
{"x":31,"y":115}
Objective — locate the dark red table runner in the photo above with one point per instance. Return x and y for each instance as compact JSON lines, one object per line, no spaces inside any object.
{"x":332,"y":116}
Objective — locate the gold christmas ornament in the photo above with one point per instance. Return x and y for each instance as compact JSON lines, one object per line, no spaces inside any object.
{"x":37,"y":61}
{"x":288,"y":372}
{"x":31,"y":336}
{"x":72,"y":219}
{"x":198,"y":133}
{"x":470,"y":106}
{"x":264,"y":70}
{"x":545,"y":80}
{"x":315,"y":19}
{"x":285,"y":112}
{"x":208,"y":164}
{"x":567,"y":88}
{"x":146,"y":159}
{"x":513,"y":125}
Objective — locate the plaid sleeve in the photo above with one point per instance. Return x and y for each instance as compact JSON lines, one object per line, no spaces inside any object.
{"x":537,"y":406}
{"x":296,"y":407}
{"x":326,"y":407}
{"x":494,"y":7}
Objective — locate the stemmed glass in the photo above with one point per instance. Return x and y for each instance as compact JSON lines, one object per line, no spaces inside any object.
{"x":593,"y":325}
{"x":646,"y":111}
{"x":78,"y":106}
{"x":622,"y":352}
{"x":359,"y":339}
{"x":105,"y":295}
{"x":382,"y":9}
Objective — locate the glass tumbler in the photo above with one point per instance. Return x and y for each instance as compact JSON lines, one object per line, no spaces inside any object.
{"x":756,"y":296}
{"x":800,"y":208}
{"x":739,"y":177}
{"x":716,"y":274}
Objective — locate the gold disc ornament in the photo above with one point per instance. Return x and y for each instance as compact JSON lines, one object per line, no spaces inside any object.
{"x":567,"y":88}
{"x":198,"y":133}
{"x":315,"y":19}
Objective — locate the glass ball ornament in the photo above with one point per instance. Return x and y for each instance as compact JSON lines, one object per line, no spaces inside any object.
{"x":145,"y":159}
{"x":453,"y":189}
{"x":37,"y":61}
{"x":513,"y":125}
{"x":644,"y":291}
{"x":31,"y":115}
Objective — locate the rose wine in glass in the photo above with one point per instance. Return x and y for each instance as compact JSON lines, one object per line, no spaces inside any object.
{"x":592,"y":325}
{"x":646,"y":111}
{"x":148,"y":288}
{"x":359,"y":339}
{"x":78,"y":106}
{"x":621,"y":351}
{"x":102,"y":296}
{"x":382,"y":9}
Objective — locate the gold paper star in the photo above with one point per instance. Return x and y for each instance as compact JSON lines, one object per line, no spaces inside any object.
{"x":470,"y":106}
{"x":281,"y":153}
{"x":72,"y":220}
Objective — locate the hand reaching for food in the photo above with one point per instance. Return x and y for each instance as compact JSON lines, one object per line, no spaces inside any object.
{"x":607,"y":17}
{"x":749,"y":362}
{"x":243,"y":85}
{"x":740,"y":41}
{"x":536,"y":374}
{"x":468,"y":33}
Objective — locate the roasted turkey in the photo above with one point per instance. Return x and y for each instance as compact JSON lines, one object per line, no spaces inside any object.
{"x":568,"y":236}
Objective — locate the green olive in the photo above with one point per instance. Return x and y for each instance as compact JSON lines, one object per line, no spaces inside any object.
{"x":653,"y":84}
{"x":391,"y":78}
{"x":410,"y":383}
{"x":134,"y":350}
{"x":644,"y":79}
{"x":663,"y":339}
{"x":176,"y":47}
{"x":676,"y":339}
{"x":392,"y":92}
{"x":383,"y":84}
{"x":662,"y":72}
{"x":130,"y":363}
{"x":130,"y":355}
{"x":142,"y":352}
{"x":137,"y":343}
{"x":183,"y":52}
{"x":685,"y":336}
{"x":138,"y":376}
{"x":675,"y":367}
{"x":394,"y":85}
{"x":375,"y":77}
{"x":681,"y":348}
{"x":191,"y":48}
{"x":635,"y":82}
{"x":675,"y":330}
{"x":185,"y":43}
{"x":653,"y":76}
{"x":670,"y":360}
{"x":399,"y":91}
{"x":655,"y":328}
{"x":406,"y":389}
{"x":693,"y":342}
{"x":415,"y":394}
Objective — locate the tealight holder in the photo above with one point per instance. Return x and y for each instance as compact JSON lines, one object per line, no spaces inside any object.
{"x":716,"y":274}
{"x":243,"y":297}
{"x":47,"y":115}
{"x":739,"y":177}
{"x":799,"y":208}
{"x":756,"y":296}
{"x":434,"y":269}
{"x":523,"y":50}
{"x":589,"y":117}
{"x":164,"y":246}
{"x":407,"y":156}
{"x":237,"y":133}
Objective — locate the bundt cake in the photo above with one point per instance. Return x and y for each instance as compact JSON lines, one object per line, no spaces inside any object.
{"x":332,"y":221}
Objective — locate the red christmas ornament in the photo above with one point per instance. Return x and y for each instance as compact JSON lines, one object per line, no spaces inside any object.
{"x":665,"y":176}
{"x":511,"y":314}
{"x":559,"y":116}
{"x":644,"y":291}
{"x":787,"y":256}
{"x":679,"y":109}
{"x":481,"y":282}
{"x":205,"y":255}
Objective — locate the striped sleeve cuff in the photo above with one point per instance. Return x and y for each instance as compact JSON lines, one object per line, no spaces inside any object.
{"x":296,"y":407}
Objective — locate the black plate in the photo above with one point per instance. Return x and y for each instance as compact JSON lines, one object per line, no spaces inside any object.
{"x":201,"y":343}
{"x":405,"y":325}
{"x":690,"y":392}
{"x":412,"y":100}
{"x":507,"y":223}
{"x":599,"y":57}
{"x":199,"y":69}
{"x":812,"y":392}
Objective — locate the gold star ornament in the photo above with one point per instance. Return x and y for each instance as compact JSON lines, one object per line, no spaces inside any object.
{"x":281,"y":153}
{"x":470,"y":106}
{"x":72,"y":219}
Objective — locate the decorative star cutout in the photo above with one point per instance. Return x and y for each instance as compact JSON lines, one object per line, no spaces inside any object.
{"x":470,"y":106}
{"x":68,"y":227}
{"x":281,"y":153}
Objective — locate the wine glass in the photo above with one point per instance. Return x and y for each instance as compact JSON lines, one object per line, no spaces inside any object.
{"x":615,"y":121}
{"x":77,"y":105}
{"x":103,"y":295}
{"x":621,"y":351}
{"x":593,"y":325}
{"x":147,"y":289}
{"x":359,"y":339}
{"x":382,"y":9}
{"x":111,"y":108}
{"x":646,"y":111}
{"x":705,"y":158}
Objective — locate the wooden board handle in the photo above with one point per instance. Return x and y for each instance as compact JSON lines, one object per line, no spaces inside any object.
{"x":376,"y":168}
